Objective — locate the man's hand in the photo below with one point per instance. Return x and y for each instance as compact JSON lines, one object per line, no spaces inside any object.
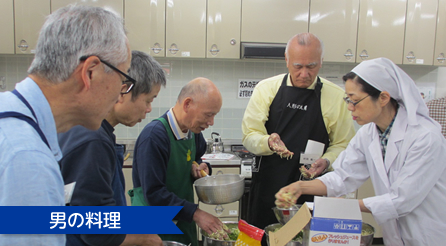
{"x":142,"y":240}
{"x":197,"y":169}
{"x":207,"y":222}
{"x":277,"y":145}
{"x":316,"y":169}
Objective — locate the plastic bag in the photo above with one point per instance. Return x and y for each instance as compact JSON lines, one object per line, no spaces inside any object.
{"x":249,"y":235}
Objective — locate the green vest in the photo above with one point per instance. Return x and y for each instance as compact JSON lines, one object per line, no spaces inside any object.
{"x":178,"y":181}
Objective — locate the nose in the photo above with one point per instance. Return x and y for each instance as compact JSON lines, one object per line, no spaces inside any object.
{"x":350,"y":107}
{"x":149,"y":109}
{"x":304,"y":72}
{"x":211,"y":121}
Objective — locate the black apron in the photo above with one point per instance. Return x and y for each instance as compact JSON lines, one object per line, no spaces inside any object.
{"x":26,"y":118}
{"x":295,"y":114}
{"x":118,"y":182}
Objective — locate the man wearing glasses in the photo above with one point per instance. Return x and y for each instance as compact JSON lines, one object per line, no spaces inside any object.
{"x":61,"y":91}
{"x":94,"y":160}
{"x":283,"y":114}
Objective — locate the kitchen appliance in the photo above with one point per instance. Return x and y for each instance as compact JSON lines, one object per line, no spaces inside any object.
{"x":217,"y":145}
{"x":220,"y":189}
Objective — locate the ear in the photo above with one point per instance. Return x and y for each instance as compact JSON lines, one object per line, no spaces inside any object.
{"x":384,"y":98}
{"x":187,"y":104}
{"x":123,"y":97}
{"x":90,"y":71}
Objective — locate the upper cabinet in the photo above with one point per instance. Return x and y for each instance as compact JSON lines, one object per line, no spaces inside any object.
{"x":381,"y":30}
{"x":186,"y":28}
{"x":146,"y":23}
{"x":335,"y":22}
{"x":223,"y":29}
{"x":7,"y":27}
{"x":29,"y":17}
{"x":112,"y":5}
{"x":419,"y":40}
{"x":440,"y":40}
{"x":272,"y":21}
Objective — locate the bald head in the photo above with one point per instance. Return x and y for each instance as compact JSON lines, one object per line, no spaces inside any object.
{"x":306,"y":39}
{"x":197,"y":104}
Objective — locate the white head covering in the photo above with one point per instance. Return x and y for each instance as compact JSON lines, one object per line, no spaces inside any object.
{"x":384,"y":75}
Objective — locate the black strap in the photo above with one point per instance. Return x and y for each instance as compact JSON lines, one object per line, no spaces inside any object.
{"x":26,"y":118}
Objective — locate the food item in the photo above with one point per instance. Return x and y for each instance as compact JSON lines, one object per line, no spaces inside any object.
{"x":288,"y":203}
{"x":305,"y":173}
{"x":366,"y":231}
{"x":227,"y":233}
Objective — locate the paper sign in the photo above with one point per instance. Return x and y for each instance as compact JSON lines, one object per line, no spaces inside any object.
{"x":246,"y":87}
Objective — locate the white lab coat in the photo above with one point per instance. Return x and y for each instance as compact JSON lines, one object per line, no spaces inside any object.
{"x":410,"y":186}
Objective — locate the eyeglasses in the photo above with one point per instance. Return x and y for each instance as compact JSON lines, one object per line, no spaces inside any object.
{"x":129,"y":82}
{"x":349,"y":101}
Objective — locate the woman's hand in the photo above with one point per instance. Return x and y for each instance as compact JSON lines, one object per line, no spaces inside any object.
{"x":288,"y":195}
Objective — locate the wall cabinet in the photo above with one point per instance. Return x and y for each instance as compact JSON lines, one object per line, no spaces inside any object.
{"x":273,"y":21}
{"x":145,"y":21}
{"x":186,"y":28}
{"x":440,"y":37}
{"x":7,"y":27}
{"x":116,"y":6}
{"x":29,"y":17}
{"x":223,"y":29}
{"x":419,"y":39}
{"x":380,"y":32}
{"x":335,"y":22}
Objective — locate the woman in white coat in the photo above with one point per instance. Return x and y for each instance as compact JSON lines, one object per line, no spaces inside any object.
{"x":399,"y":147}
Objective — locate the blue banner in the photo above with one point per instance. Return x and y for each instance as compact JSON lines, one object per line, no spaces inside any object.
{"x":88,"y":220}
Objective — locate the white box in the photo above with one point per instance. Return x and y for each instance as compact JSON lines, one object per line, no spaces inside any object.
{"x":335,"y":221}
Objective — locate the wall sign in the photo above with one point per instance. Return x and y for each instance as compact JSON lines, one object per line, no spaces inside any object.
{"x":246,"y":87}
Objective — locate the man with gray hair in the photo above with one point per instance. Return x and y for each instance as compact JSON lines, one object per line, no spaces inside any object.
{"x":163,"y":169}
{"x":94,"y":160}
{"x":75,"y":79}
{"x":283,"y":114}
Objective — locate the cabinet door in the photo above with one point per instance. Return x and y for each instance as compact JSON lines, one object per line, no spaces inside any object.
{"x":335,"y":22}
{"x":223,"y":29}
{"x":29,"y":17}
{"x":273,"y":21}
{"x":440,"y":37}
{"x":146,"y":23}
{"x":116,"y":6}
{"x":186,"y":28}
{"x":419,"y":42}
{"x":381,"y":31}
{"x":7,"y":27}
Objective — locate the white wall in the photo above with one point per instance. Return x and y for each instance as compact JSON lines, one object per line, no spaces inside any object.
{"x":225,"y":74}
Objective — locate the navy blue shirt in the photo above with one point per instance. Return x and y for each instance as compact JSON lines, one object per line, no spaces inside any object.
{"x":89,"y":159}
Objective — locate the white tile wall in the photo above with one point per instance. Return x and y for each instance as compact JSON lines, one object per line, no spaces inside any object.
{"x":225,"y":74}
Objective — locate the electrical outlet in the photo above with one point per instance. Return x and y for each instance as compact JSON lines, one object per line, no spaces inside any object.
{"x":2,"y":82}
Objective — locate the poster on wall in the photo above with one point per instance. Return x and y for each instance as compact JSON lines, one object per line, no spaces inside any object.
{"x":427,"y":91}
{"x":246,"y":87}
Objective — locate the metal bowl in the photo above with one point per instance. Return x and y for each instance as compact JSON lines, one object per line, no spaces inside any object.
{"x":284,"y":215}
{"x":220,"y":189}
{"x":173,"y":243}
{"x":207,"y":241}
{"x":367,"y":240}
{"x":273,"y":227}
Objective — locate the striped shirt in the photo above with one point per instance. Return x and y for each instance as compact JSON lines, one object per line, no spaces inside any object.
{"x":437,"y":110}
{"x":384,"y":136}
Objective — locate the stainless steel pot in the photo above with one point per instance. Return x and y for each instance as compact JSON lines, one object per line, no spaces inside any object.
{"x":273,"y":227}
{"x":172,"y":243}
{"x":220,"y":189}
{"x":367,"y":240}
{"x":207,"y":241}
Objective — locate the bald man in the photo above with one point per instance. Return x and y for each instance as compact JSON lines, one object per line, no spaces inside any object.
{"x":163,"y":173}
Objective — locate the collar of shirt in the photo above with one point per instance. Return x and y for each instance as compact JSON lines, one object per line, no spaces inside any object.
{"x":311,"y":87}
{"x":179,"y":135}
{"x":32,"y":93}
{"x":384,"y":136}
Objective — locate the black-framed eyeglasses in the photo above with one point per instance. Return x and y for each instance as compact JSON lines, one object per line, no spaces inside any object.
{"x":349,"y":101}
{"x":129,"y":82}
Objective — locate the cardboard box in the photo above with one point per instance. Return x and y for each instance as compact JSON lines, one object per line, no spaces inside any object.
{"x":335,"y":222}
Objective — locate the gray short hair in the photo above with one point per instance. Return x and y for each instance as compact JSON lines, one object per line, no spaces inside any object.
{"x":147,"y":72}
{"x":305,"y":39}
{"x":75,"y":31}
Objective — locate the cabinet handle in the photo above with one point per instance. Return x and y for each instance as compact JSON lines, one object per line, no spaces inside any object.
{"x":441,"y":58}
{"x":219,"y":209}
{"x":173,"y":49}
{"x":364,"y":55}
{"x":214,"y":50}
{"x":156,"y":48}
{"x":348,"y":54}
{"x":23,"y":45}
{"x":411,"y":56}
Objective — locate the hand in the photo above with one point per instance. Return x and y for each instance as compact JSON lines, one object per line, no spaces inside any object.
{"x":277,"y":145}
{"x":288,"y":195}
{"x":142,"y":240}
{"x":207,"y":222}
{"x":196,"y":169}
{"x":316,"y":169}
